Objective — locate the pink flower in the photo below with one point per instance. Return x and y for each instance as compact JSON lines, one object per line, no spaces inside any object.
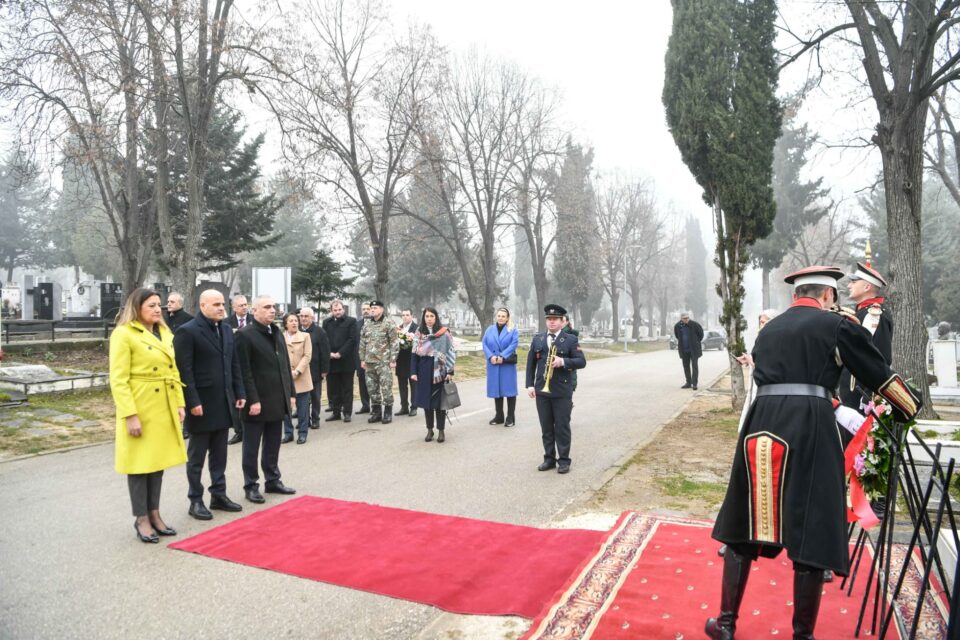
{"x":858,"y":466}
{"x":870,"y":444}
{"x":869,"y":408}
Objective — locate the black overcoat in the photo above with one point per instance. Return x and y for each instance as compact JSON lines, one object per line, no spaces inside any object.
{"x":235,"y":323}
{"x":696,"y":338}
{"x":320,"y":358}
{"x":266,"y":372}
{"x":787,"y":487}
{"x":210,"y":371}
{"x":882,"y":339}
{"x":177,"y":319}
{"x":343,"y":335}
{"x":403,"y":355}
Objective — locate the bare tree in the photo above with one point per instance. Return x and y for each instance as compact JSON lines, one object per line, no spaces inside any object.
{"x":349,"y":100}
{"x":907,"y":58}
{"x":828,"y":241}
{"x":650,"y":239}
{"x":72,"y":72}
{"x":942,"y":151}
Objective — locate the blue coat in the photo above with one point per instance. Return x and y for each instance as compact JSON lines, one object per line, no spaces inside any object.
{"x":501,"y":378}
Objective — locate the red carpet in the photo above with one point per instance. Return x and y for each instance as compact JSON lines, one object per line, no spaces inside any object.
{"x":660,"y":578}
{"x":457,"y":564}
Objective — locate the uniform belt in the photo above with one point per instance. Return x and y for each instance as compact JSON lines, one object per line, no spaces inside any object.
{"x":794,"y":389}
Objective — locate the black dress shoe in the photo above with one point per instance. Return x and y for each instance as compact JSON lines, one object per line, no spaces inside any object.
{"x":564,"y":468}
{"x":168,"y":531}
{"x":694,"y":387}
{"x":335,"y":416}
{"x":686,"y":386}
{"x":363,"y":410}
{"x":346,"y":418}
{"x":301,"y":438}
{"x":315,"y":424}
{"x":152,"y":538}
{"x":403,"y":411}
{"x":223,"y":503}
{"x":286,"y":439}
{"x":199,"y":511}
{"x":510,"y":421}
{"x":496,"y":420}
{"x":237,"y":437}
{"x":328,"y":410}
{"x":254,"y":496}
{"x":412,"y":412}
{"x":279,"y":487}
{"x":546,"y":465}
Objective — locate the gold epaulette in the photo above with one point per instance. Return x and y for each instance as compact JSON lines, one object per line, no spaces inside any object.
{"x":846,"y":312}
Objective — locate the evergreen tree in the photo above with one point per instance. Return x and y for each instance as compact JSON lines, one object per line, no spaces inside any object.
{"x":576,"y":266}
{"x":799,"y":203}
{"x":320,"y":279}
{"x":23,"y":214}
{"x":719,"y":94}
{"x":695,"y":287}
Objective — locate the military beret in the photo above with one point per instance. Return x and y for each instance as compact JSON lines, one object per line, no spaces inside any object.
{"x":375,"y":303}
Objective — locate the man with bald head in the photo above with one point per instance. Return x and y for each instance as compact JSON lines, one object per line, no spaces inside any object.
{"x":213,"y":389}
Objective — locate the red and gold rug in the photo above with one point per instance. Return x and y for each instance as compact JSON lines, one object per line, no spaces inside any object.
{"x":659,"y":577}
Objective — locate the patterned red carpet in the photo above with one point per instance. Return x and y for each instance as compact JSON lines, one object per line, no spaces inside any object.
{"x":660,"y":578}
{"x":457,"y":564}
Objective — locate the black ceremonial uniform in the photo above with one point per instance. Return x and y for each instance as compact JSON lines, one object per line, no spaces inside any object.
{"x":787,"y":485}
{"x":554,"y":408}
{"x":871,"y":313}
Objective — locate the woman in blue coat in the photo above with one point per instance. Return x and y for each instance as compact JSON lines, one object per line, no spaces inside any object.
{"x":500,"y":348}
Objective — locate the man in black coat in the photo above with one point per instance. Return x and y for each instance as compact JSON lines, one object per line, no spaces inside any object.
{"x":554,"y":405}
{"x":689,"y":335}
{"x":865,"y":290}
{"x":270,"y":398}
{"x":213,"y":390}
{"x":319,"y":361}
{"x":343,"y":334}
{"x":238,"y":320}
{"x":408,"y":387}
{"x":787,"y":485}
{"x":176,"y":316}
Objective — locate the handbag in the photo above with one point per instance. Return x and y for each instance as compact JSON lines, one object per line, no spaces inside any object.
{"x":511,"y":359}
{"x":449,"y":396}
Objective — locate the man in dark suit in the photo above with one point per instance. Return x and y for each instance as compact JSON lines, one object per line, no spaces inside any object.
{"x":176,"y":316}
{"x":689,"y":336}
{"x":343,"y":335}
{"x":408,"y":387}
{"x":319,"y":361}
{"x":361,"y":374}
{"x":865,"y":290}
{"x":554,"y":405}
{"x":270,"y":397}
{"x":240,"y":317}
{"x":238,"y":320}
{"x":213,"y":390}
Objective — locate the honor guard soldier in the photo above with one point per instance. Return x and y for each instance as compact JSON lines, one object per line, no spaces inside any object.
{"x":553,"y":358}
{"x":379,"y":345}
{"x":787,"y":488}
{"x":864,"y":289}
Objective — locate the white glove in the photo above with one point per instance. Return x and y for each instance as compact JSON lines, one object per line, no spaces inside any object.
{"x":848,"y":418}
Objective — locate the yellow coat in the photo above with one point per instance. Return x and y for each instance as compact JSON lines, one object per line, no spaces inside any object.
{"x":144,"y":381}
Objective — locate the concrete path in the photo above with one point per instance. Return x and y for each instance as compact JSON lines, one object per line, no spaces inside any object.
{"x":70,"y":565}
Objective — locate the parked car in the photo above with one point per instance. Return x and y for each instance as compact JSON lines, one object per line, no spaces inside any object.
{"x":712,"y":339}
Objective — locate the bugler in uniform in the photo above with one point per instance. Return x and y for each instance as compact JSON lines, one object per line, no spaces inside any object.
{"x":379,"y":345}
{"x":557,"y":355}
{"x":787,"y":487}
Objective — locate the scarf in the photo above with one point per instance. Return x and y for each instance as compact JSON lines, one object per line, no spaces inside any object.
{"x":438,"y":347}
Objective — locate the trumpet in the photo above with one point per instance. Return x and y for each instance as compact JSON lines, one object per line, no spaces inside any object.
{"x":548,"y":372}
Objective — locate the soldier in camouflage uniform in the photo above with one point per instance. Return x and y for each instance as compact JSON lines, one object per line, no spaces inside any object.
{"x":378,"y":357}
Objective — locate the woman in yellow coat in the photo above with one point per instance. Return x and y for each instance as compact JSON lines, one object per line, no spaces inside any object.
{"x":148,"y":394}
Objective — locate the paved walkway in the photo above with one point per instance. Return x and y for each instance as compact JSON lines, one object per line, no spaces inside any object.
{"x":71,"y":567}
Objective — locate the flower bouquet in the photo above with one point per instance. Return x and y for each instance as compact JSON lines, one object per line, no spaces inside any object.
{"x":406,"y":339}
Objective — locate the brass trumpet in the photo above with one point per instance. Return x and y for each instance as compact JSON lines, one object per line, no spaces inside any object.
{"x":548,"y":372}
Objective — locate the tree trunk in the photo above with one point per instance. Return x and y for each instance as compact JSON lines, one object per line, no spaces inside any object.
{"x":541,"y":284}
{"x":765,"y":286}
{"x":901,"y":149}
{"x":731,"y":292}
{"x":615,"y":315}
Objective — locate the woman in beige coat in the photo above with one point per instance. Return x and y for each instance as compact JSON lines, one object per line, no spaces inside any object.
{"x":148,"y":395}
{"x":300,"y":350}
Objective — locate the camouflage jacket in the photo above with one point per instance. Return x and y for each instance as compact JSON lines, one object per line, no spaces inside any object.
{"x":378,"y":341}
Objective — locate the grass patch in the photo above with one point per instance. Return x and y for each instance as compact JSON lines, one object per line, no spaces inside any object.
{"x":5,"y":397}
{"x":679,"y":486}
{"x":88,"y":404}
{"x":91,"y":404}
{"x":83,"y":359}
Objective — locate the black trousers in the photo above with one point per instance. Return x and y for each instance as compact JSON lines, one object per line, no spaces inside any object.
{"x":364,"y":394}
{"x":315,"y":399}
{"x":554,"y":416}
{"x":144,"y":492}
{"x":690,"y":362}
{"x":269,"y":433}
{"x":340,"y":392}
{"x":408,"y":389}
{"x":199,"y":446}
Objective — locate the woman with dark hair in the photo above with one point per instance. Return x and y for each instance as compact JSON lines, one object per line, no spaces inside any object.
{"x":500,"y":348}
{"x":147,"y":391}
{"x":300,"y":350}
{"x":431,"y":365}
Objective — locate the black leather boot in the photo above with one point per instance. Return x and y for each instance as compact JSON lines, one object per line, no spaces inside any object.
{"x":429,"y":414}
{"x":807,"y":589}
{"x":736,"y":570}
{"x":375,"y":415}
{"x":388,"y":414}
{"x":498,"y":416}
{"x":441,"y":420}
{"x":511,"y":412}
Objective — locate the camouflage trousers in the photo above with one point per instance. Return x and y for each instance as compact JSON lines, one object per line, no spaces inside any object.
{"x":380,"y":383}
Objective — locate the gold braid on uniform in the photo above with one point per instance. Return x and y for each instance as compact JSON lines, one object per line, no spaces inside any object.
{"x":901,"y":396}
{"x":846,"y":312}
